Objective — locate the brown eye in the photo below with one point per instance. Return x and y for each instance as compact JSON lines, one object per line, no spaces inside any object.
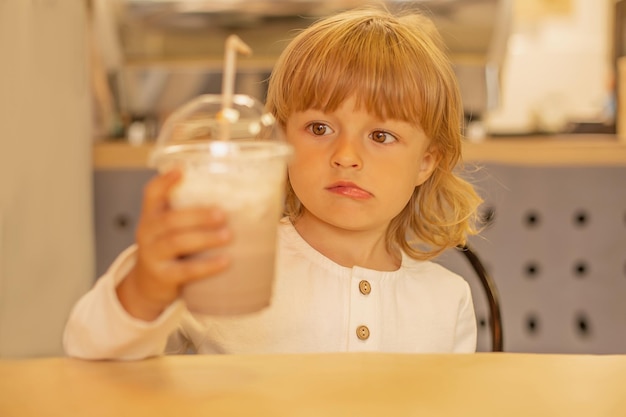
{"x":319,"y":129}
{"x":380,"y":136}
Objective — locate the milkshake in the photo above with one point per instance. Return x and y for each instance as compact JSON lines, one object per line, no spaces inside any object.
{"x":246,"y":179}
{"x":244,"y":175}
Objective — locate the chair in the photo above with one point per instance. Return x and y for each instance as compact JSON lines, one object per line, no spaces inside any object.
{"x":493,"y":298}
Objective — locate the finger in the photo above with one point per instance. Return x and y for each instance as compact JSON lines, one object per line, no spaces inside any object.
{"x":189,"y":243}
{"x":172,"y":222}
{"x":157,"y":191}
{"x":199,"y":267}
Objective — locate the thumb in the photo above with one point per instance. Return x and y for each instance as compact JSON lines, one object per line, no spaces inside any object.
{"x":157,"y":191}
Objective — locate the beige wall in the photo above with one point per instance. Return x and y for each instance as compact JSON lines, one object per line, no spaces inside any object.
{"x":46,"y":249}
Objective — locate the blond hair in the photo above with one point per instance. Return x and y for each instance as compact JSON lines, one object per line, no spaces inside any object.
{"x":395,"y":68}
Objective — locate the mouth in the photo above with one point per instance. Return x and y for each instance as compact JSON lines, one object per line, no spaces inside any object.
{"x":349,"y":189}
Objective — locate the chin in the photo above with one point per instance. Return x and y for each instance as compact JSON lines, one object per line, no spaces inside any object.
{"x":351,"y":222}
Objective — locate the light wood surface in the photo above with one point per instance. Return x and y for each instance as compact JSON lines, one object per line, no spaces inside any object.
{"x":355,"y":384}
{"x":572,"y":150}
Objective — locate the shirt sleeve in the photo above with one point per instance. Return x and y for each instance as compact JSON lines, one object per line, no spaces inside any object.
{"x":466,"y":331}
{"x":100,"y":328}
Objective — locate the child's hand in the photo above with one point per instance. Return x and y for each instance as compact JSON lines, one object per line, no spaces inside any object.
{"x":166,"y":241}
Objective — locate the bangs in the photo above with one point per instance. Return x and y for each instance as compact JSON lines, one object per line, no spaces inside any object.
{"x":386,"y":67}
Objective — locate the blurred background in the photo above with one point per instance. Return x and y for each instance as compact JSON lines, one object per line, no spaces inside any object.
{"x":85,"y":85}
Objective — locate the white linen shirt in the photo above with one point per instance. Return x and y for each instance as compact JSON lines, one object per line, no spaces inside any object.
{"x":316,"y":306}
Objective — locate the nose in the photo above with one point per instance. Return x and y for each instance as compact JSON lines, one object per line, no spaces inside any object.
{"x":347,"y":153}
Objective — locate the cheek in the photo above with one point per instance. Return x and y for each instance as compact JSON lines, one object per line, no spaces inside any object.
{"x":297,"y":171}
{"x":403,"y":192}
{"x":296,"y":163}
{"x":303,"y":161}
{"x":305,"y":172}
{"x":399,"y":185}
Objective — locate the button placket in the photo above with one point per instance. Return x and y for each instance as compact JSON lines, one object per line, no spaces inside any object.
{"x":362,"y":331}
{"x":363,"y":325}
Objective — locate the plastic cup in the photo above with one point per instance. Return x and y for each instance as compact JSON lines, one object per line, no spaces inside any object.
{"x":245,"y":175}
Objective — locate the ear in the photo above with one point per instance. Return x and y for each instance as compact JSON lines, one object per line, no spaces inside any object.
{"x":427,"y":165}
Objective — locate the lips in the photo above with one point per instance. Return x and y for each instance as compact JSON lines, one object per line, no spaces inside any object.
{"x":349,"y":189}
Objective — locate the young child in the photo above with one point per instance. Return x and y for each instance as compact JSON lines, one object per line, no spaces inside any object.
{"x":370,"y":104}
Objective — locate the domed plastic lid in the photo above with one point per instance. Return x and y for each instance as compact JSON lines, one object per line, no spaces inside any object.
{"x":204,"y":120}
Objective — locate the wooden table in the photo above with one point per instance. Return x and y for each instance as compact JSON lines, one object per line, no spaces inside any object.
{"x":483,"y":384}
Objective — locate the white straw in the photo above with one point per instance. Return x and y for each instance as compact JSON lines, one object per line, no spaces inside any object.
{"x":233,"y":45}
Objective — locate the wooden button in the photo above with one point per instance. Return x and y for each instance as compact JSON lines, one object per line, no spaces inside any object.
{"x":365,"y":287}
{"x":362,"y":332}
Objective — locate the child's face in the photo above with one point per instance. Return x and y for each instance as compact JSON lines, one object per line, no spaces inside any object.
{"x":352,"y":170}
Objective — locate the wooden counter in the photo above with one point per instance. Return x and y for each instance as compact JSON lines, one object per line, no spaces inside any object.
{"x":355,"y":384}
{"x":572,"y":150}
